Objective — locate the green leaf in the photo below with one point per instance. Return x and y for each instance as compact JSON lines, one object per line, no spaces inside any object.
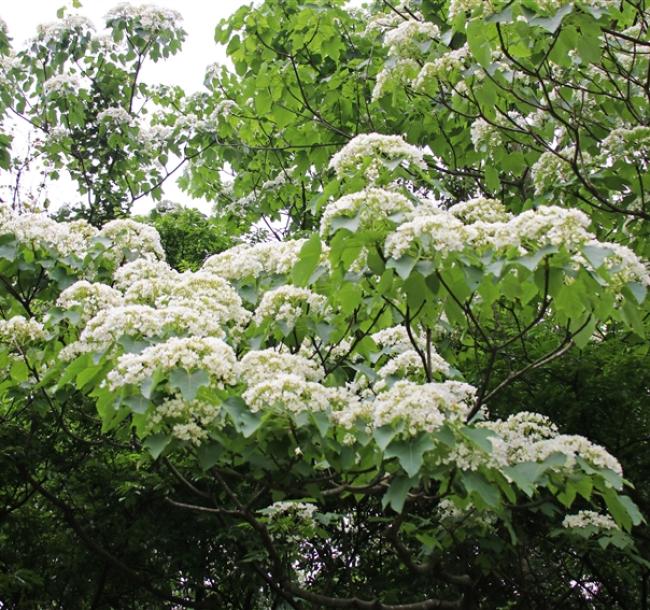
{"x":188,"y":383}
{"x":383,"y":436}
{"x":525,"y":476}
{"x":481,"y":489}
{"x":19,"y":371}
{"x":208,"y":454}
{"x":551,"y":24}
{"x":403,"y":266}
{"x":156,"y":444}
{"x":397,"y":493}
{"x":308,"y":260}
{"x":244,"y":421}
{"x":346,"y":222}
{"x":410,"y":453}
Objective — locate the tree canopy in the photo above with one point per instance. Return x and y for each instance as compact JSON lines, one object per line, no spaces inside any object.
{"x":402,"y":366}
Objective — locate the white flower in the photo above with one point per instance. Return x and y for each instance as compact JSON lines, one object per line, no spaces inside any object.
{"x":259,"y":365}
{"x":481,"y":209}
{"x":148,"y":16}
{"x":89,"y":298}
{"x":189,"y":353}
{"x":373,"y":207}
{"x":288,"y":303}
{"x":589,"y":518}
{"x":131,"y":240}
{"x":61,"y":84}
{"x":115,"y":115}
{"x":21,"y":331}
{"x":288,"y":393}
{"x":370,"y":151}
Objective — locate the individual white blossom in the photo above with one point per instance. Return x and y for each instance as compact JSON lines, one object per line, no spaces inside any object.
{"x":373,"y":207}
{"x":190,"y":353}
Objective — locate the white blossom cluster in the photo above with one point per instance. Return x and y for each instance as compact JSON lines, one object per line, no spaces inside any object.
{"x":373,"y":207}
{"x":481,"y":209}
{"x":444,"y":233}
{"x":142,"y":269}
{"x":147,"y":16}
{"x":61,"y":84}
{"x":416,"y":407}
{"x":205,"y":292}
{"x":408,"y":37}
{"x":187,"y":420}
{"x":115,"y":115}
{"x":288,"y":303}
{"x":395,"y":339}
{"x":485,"y":136}
{"x":190,"y":353}
{"x":39,"y":230}
{"x":442,"y":67}
{"x":55,"y":31}
{"x":371,"y":151}
{"x":461,"y":7}
{"x":131,"y":240}
{"x":589,"y":518}
{"x":302,"y":512}
{"x":259,"y":365}
{"x":629,"y":145}
{"x":89,"y":298}
{"x":530,"y":437}
{"x":21,"y":331}
{"x":409,"y":365}
{"x":288,"y":393}
{"x":553,"y":170}
{"x":135,"y":321}
{"x":402,"y":70}
{"x":251,"y":261}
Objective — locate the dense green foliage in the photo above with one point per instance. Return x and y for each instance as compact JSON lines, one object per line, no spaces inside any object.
{"x":399,"y":366}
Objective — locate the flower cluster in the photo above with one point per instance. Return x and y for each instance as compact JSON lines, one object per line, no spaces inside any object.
{"x":442,"y":67}
{"x":409,"y":37}
{"x":589,"y":518}
{"x":287,"y":303}
{"x":187,"y":420}
{"x":130,"y":240}
{"x":21,"y":331}
{"x":481,"y":209}
{"x":148,"y":17}
{"x":39,"y":230}
{"x":55,"y":32}
{"x":251,"y":261}
{"x":288,"y":392}
{"x":89,"y":298}
{"x":259,"y":365}
{"x":372,"y":207}
{"x":141,"y":321}
{"x":190,"y":353}
{"x":115,"y":115}
{"x":61,"y":84}
{"x":371,"y":151}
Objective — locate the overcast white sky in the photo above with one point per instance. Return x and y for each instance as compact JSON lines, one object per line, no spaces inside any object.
{"x":185,"y":69}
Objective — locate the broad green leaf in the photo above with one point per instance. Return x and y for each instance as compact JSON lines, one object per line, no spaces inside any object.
{"x":156,"y":444}
{"x":188,"y":383}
